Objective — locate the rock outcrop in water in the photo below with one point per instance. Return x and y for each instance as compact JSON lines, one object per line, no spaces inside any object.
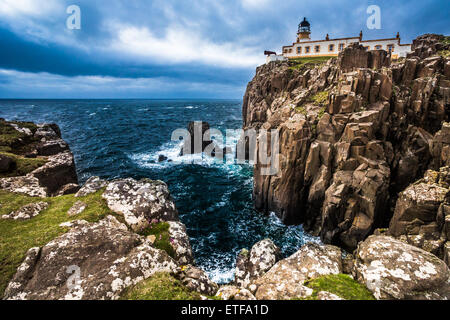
{"x":354,"y":132}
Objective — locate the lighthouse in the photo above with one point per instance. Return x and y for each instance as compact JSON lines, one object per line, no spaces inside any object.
{"x":304,"y":31}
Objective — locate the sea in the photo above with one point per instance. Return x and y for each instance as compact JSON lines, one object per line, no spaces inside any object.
{"x":125,"y":138}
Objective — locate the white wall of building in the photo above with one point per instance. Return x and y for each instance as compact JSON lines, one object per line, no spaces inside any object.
{"x":300,"y":49}
{"x":277,"y":57}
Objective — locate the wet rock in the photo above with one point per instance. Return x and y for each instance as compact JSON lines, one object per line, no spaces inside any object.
{"x":197,"y":280}
{"x":27,"y":212}
{"x":92,"y":185}
{"x":254,"y":264}
{"x":199,"y":138}
{"x":162,"y":158}
{"x":234,"y":293}
{"x":285,"y":279}
{"x":180,"y":242}
{"x":140,"y":201}
{"x":77,"y":208}
{"x":90,"y":262}
{"x":392,"y":269}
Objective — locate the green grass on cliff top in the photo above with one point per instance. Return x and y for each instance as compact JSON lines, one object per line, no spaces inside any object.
{"x":341,"y":285}
{"x":22,"y":165}
{"x":162,"y":237}
{"x":17,"y":237}
{"x":300,"y":63}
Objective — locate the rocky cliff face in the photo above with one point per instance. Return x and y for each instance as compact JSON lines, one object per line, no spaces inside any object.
{"x":354,"y":132}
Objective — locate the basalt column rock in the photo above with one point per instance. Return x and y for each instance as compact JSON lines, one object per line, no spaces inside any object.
{"x":353,"y":133}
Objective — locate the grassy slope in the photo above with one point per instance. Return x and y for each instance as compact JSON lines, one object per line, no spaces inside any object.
{"x":23,"y":165}
{"x":341,"y":285}
{"x":161,"y":232}
{"x":16,"y":237}
{"x":300,"y":63}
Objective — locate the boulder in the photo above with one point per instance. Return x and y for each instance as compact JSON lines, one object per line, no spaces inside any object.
{"x":28,"y":185}
{"x":140,"y":201}
{"x":285,"y":279}
{"x":70,"y":188}
{"x":92,"y":185}
{"x":180,"y":242}
{"x":6,"y":163}
{"x":52,"y":147}
{"x":27,"y":212}
{"x":392,"y":269}
{"x":59,"y":170}
{"x":254,"y":264}
{"x":197,"y":280}
{"x":421,"y":211}
{"x":234,"y":293}
{"x":77,"y":208}
{"x":93,"y":261}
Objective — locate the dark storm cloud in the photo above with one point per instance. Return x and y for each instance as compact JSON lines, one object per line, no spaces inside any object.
{"x":215,"y":45}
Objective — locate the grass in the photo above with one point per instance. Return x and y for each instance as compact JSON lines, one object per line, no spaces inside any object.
{"x":16,"y":237}
{"x":341,"y":285}
{"x":320,"y":97}
{"x":444,"y":53}
{"x":446,"y":40}
{"x":10,"y":138}
{"x":302,"y":110}
{"x":321,"y":112}
{"x":161,"y":286}
{"x":162,"y":237}
{"x":22,"y":166}
{"x":300,"y":63}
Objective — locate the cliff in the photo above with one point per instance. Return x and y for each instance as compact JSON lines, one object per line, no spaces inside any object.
{"x":355,"y":131}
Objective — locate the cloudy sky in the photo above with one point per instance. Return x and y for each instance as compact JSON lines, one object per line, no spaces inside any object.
{"x":172,"y":48}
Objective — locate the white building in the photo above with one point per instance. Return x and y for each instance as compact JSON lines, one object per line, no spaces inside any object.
{"x":305,"y":47}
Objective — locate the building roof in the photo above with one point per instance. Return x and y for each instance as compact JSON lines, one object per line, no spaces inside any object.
{"x":305,"y":23}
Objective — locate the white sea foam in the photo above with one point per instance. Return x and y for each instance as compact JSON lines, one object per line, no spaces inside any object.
{"x":221,"y":275}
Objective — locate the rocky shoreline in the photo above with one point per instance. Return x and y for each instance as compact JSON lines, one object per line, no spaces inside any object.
{"x":365,"y":163}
